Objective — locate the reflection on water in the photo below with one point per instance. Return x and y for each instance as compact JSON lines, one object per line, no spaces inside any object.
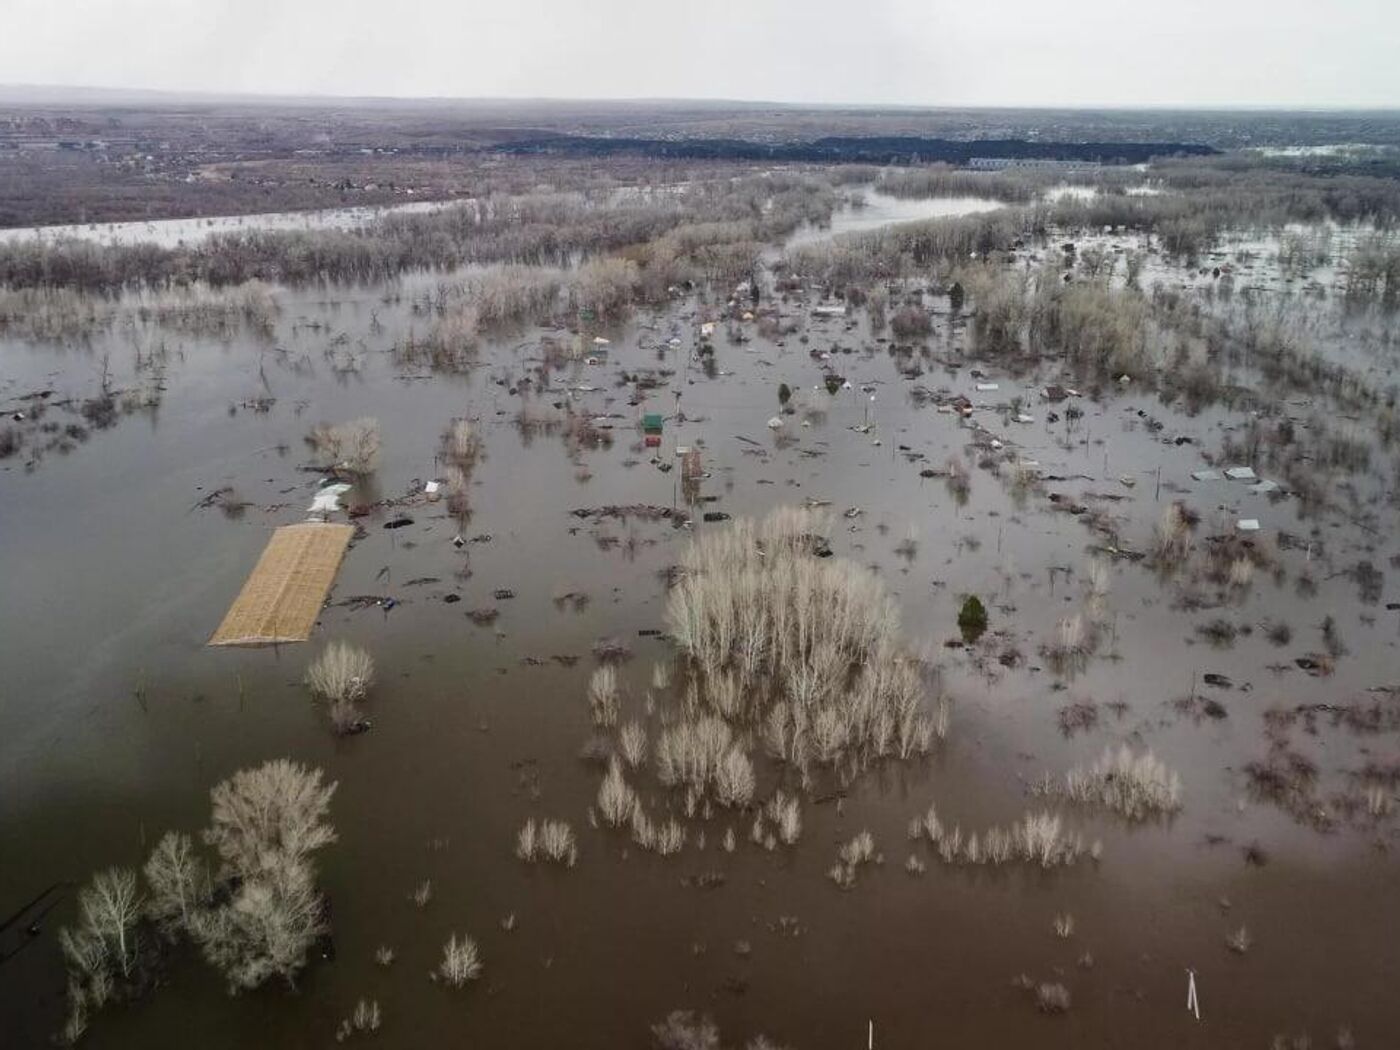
{"x":881,"y":209}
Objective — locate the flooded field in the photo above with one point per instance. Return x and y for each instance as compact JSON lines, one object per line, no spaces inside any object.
{"x":1242,"y":630}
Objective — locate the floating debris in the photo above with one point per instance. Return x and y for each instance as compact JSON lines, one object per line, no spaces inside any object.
{"x":327,"y":498}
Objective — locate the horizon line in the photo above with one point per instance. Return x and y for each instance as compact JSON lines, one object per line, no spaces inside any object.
{"x":677,"y":100}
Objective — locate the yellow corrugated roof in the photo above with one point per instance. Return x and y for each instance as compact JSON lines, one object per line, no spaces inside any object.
{"x":284,"y":593}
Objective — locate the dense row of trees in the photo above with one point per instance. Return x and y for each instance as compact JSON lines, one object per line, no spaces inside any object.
{"x":908,"y":248}
{"x":542,"y":229}
{"x":1016,"y":186}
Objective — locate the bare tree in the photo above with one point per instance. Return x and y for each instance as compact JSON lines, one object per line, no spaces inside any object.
{"x":266,"y":929}
{"x":89,"y":966}
{"x":179,"y":882}
{"x":111,"y":907}
{"x":258,"y":921}
{"x":103,"y":950}
{"x":461,"y":961}
{"x":351,"y":448}
{"x":261,"y":815}
{"x":342,"y":673}
{"x":266,"y":823}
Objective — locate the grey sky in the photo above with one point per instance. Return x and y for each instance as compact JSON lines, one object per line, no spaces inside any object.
{"x":931,"y":52}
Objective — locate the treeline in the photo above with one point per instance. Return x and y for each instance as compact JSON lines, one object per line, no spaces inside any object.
{"x":1263,"y":194}
{"x":554,"y":229}
{"x":878,"y":149}
{"x":942,"y":180}
{"x":715,"y":230}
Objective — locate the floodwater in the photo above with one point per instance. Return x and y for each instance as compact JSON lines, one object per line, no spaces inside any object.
{"x":170,"y":233}
{"x":115,"y":719}
{"x":876,"y":209}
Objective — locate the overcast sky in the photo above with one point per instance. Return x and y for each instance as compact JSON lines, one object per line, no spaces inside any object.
{"x":928,"y":52}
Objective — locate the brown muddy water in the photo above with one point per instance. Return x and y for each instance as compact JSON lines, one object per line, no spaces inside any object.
{"x":115,"y":719}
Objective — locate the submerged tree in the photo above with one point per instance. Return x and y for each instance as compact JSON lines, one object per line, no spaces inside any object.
{"x":972,"y":619}
{"x":461,"y":962}
{"x":264,"y":814}
{"x":256,"y":918}
{"x":461,"y":449}
{"x":266,"y":823}
{"x":347,"y":448}
{"x":267,"y":925}
{"x":179,"y":883}
{"x":342,"y":676}
{"x":955,"y":298}
{"x":794,"y":645}
{"x":105,"y":952}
